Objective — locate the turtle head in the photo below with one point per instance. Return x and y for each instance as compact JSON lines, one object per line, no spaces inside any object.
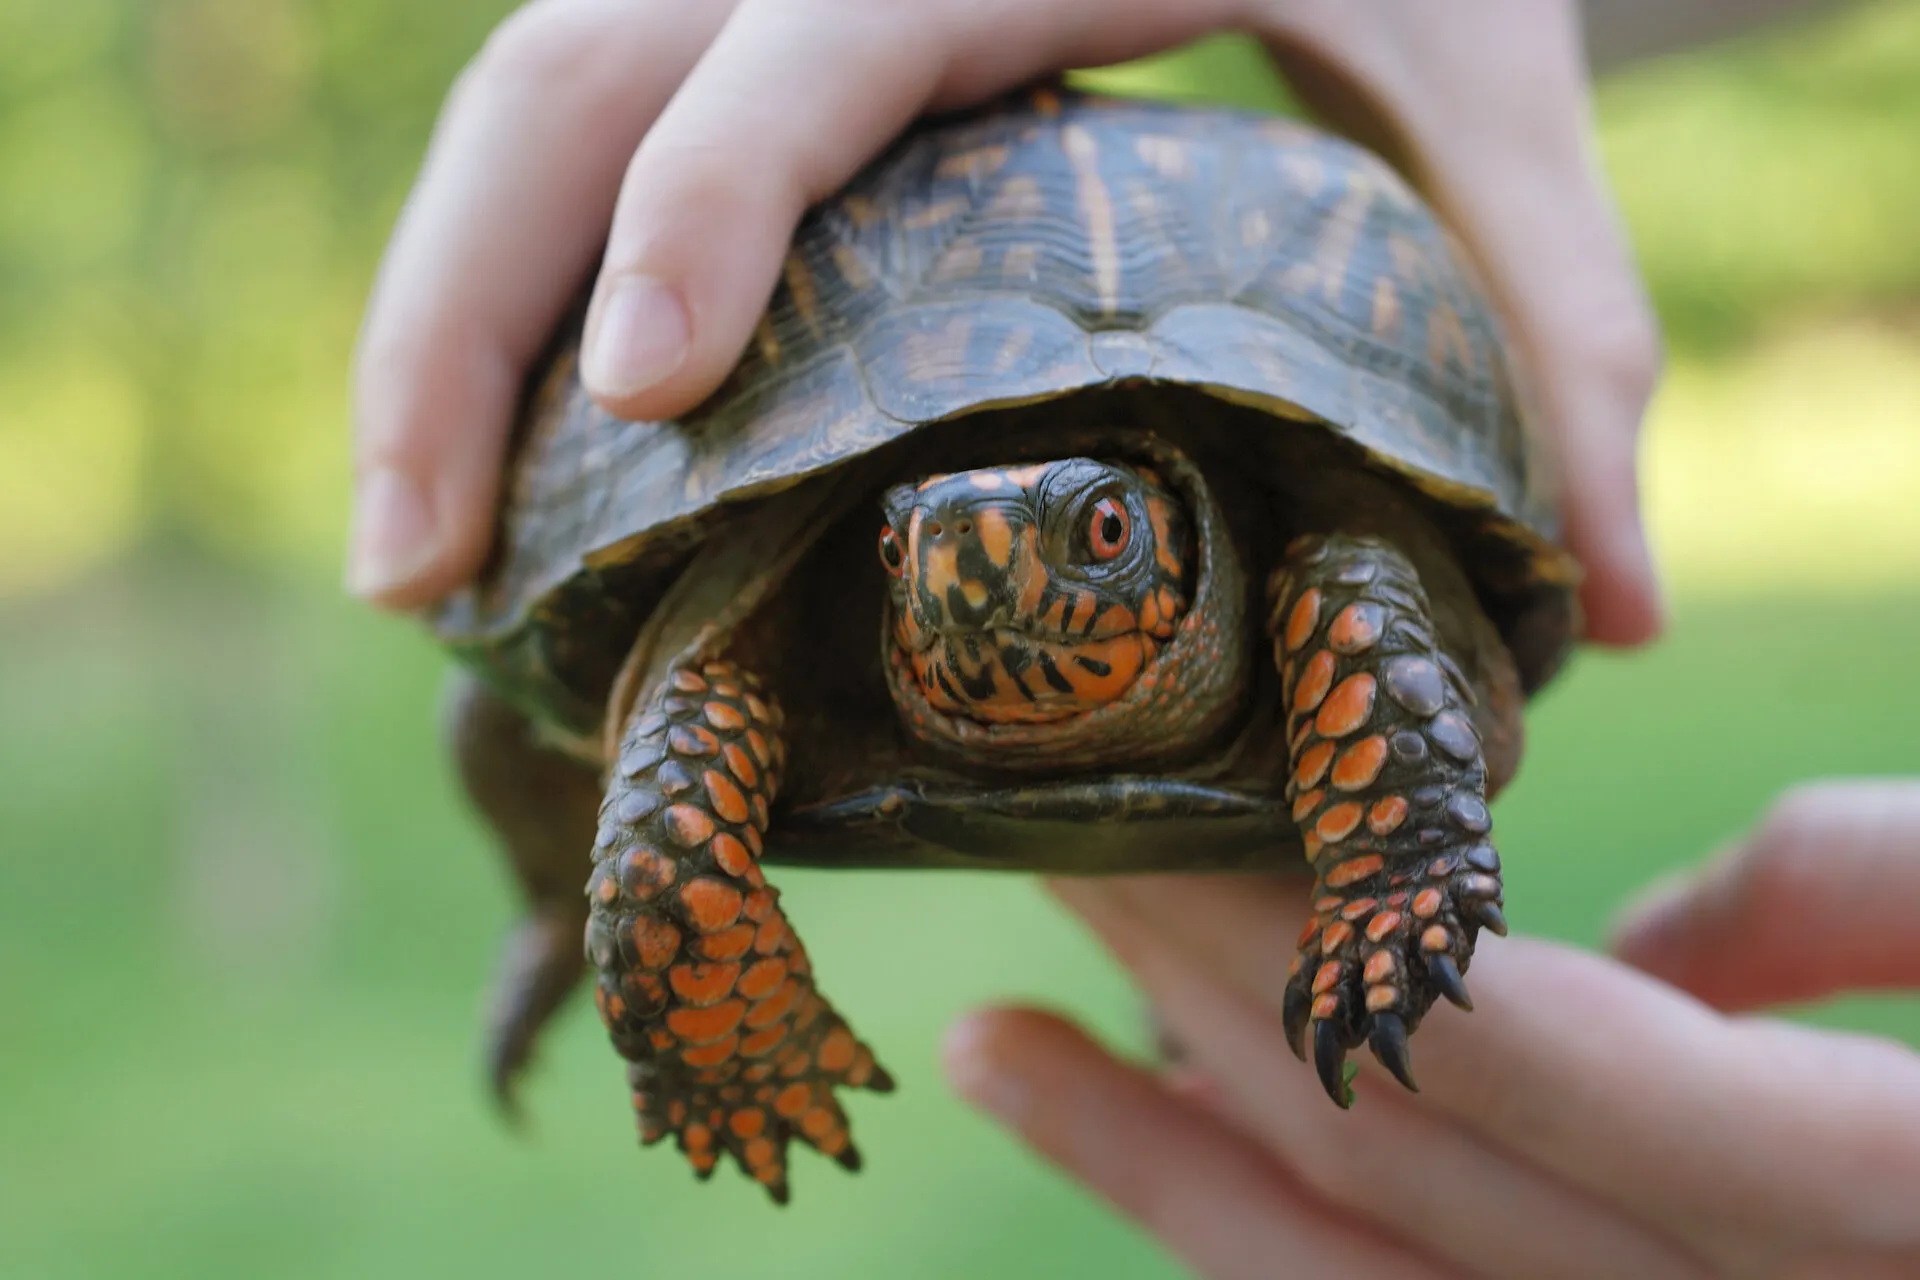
{"x":1035,"y":592}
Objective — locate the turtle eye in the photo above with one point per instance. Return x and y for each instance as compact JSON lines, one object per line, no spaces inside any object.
{"x":1108,"y":529}
{"x":891,"y":555}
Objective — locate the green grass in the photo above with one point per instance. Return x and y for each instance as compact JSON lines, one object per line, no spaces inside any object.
{"x":245,"y":926}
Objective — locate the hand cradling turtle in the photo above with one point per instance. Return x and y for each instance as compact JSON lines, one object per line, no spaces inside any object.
{"x":1111,"y":487}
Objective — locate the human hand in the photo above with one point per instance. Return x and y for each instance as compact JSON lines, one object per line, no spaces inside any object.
{"x":1586,"y":1120}
{"x":700,"y":132}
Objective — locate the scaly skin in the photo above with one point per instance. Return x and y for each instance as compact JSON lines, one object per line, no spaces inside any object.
{"x":702,"y":984}
{"x":1389,"y":788}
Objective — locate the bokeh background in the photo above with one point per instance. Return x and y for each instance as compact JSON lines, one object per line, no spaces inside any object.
{"x":245,"y":923}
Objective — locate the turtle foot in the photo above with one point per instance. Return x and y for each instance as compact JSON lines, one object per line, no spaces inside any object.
{"x":1380,"y":949}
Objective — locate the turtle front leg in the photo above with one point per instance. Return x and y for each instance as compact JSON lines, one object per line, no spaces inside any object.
{"x":702,"y":985}
{"x":1389,"y":788}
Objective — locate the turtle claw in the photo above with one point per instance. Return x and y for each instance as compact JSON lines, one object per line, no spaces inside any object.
{"x":1330,"y":1060}
{"x":1446,"y":977}
{"x":1389,"y":1045}
{"x":1294,"y":1012}
{"x":1490,"y":917}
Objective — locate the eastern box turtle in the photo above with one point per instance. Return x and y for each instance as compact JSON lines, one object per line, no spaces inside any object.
{"x":1111,"y":487}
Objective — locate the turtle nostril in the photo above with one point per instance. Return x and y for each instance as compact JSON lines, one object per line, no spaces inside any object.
{"x":964,"y":528}
{"x":932,"y":528}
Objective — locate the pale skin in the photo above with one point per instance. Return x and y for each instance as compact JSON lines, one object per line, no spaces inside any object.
{"x":1635,"y":1129}
{"x":1603,"y":1117}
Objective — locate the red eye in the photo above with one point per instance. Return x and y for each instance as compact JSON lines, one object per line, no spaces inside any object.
{"x":890,"y":553}
{"x":1108,"y":529}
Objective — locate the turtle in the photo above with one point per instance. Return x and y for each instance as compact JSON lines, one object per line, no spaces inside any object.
{"x":1110,"y":486}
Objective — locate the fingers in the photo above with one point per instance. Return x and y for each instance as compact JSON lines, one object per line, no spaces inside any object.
{"x":792,"y":98}
{"x":1487,"y":107}
{"x":1207,"y":1194}
{"x":1820,"y":898}
{"x":1621,"y":1086}
{"x":1389,"y":1159}
{"x":497,"y":237}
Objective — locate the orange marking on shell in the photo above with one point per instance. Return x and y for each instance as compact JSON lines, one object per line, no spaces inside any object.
{"x":1358,"y":907}
{"x":1304,"y":618}
{"x":1382,"y":925}
{"x":700,"y":984}
{"x":762,"y":977}
{"x":685,"y":681}
{"x":1338,"y":934}
{"x":725,"y":796}
{"x":847,"y":262}
{"x":1313,"y":765}
{"x":1352,"y":870}
{"x":1361,"y":763}
{"x":710,"y":1055}
{"x":1435,"y":938}
{"x":1380,"y":966}
{"x":1324,"y":1007}
{"x":792,"y":1100}
{"x":1096,"y":213}
{"x":763,"y":1042}
{"x":1387,"y":815}
{"x":774,"y":1007}
{"x":1338,"y":822}
{"x":836,"y":1050}
{"x":1326,"y":976}
{"x":1315,"y":679}
{"x":688,"y":825}
{"x":655,"y":942}
{"x":1379,"y":998}
{"x":806,"y":299}
{"x":711,"y":904}
{"x":1347,"y":707}
{"x":1426,"y":903}
{"x":731,"y":856}
{"x":706,"y":1025}
{"x":1306,"y":804}
{"x":722,"y":716}
{"x":728,"y":944}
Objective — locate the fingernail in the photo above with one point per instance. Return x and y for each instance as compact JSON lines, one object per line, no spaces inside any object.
{"x":394,"y":538}
{"x":639,"y":337}
{"x":977,"y":1077}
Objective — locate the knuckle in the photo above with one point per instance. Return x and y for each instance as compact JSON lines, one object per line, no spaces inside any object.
{"x":535,"y":47}
{"x":1624,"y":347}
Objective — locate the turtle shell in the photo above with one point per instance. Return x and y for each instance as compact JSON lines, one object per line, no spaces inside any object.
{"x":1030,"y":250}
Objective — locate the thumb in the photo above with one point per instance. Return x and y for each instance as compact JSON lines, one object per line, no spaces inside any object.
{"x":1821,"y":897}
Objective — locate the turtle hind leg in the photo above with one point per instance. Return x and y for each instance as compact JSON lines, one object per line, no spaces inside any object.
{"x":541,"y":804}
{"x":702,"y":984}
{"x":1388,"y":786}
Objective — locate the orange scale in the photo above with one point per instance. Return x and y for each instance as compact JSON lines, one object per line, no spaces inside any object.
{"x":722,"y":716}
{"x":771,"y":935}
{"x":1304,"y":618}
{"x":1352,"y":870}
{"x":710,"y":1055}
{"x":703,"y":984}
{"x":1379,"y":998}
{"x":836,"y":1050}
{"x":1324,"y":1007}
{"x":792,"y":1100}
{"x":725,"y":796}
{"x":1380,"y":967}
{"x":655,"y":942}
{"x":1360,"y":763}
{"x":702,"y":1161}
{"x":731,"y":856}
{"x":711,"y":904}
{"x":834,"y":1143}
{"x":762,"y":978}
{"x":1382,"y":925}
{"x":1316,"y":678}
{"x":1313,"y":765}
{"x":1336,"y":937}
{"x":1347,"y":708}
{"x":728,"y":944}
{"x":1435,"y":939}
{"x":798,"y":1065}
{"x":763,"y":1042}
{"x":1306,"y":804}
{"x":1338,"y":823}
{"x":697,"y":1136}
{"x":1358,"y":907}
{"x":1387,"y":815}
{"x":741,"y":764}
{"x":1326,"y":976}
{"x":774,"y":1007}
{"x":759,"y":905}
{"x":685,"y":681}
{"x":1426,"y":904}
{"x":818,"y":1123}
{"x":1307,"y":933}
{"x":704,"y":1026}
{"x":688,"y":826}
{"x":748,"y":1122}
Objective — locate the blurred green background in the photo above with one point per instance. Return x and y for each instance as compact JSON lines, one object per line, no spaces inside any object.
{"x":245,"y":923}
